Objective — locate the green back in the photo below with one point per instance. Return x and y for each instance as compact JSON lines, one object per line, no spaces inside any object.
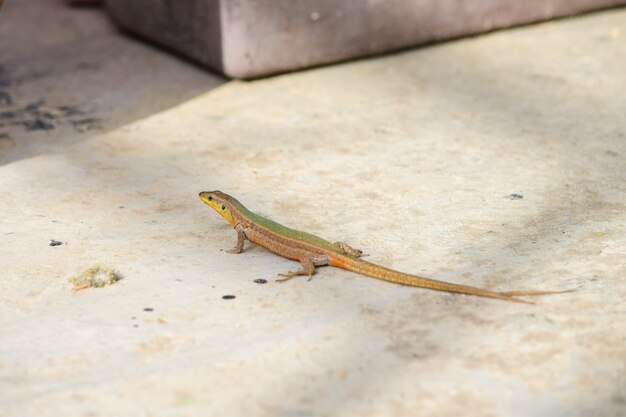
{"x":283,"y":230}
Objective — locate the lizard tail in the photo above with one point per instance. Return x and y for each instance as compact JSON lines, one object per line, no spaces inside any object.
{"x":385,"y":274}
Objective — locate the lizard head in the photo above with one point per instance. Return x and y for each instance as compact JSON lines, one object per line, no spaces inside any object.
{"x":220,"y":202}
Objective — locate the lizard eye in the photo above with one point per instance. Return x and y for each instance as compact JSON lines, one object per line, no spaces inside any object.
{"x":223,"y":206}
{"x":210,"y":198}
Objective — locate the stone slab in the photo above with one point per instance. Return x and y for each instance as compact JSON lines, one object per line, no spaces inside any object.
{"x":254,"y":38}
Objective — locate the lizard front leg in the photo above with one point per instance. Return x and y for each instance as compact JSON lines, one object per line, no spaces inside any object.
{"x":241,"y":237}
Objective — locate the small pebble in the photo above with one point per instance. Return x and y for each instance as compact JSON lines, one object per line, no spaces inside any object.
{"x":55,"y":242}
{"x":516,"y":196}
{"x":260,"y":281}
{"x":148,"y":309}
{"x":228,"y":297}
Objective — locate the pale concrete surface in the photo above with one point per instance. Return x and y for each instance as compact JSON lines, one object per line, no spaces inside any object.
{"x":412,"y":158}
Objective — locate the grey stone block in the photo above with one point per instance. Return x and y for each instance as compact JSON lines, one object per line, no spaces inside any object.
{"x":253,"y":38}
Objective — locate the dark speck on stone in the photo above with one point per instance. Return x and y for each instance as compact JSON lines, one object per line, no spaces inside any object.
{"x":516,"y":196}
{"x":148,"y":309}
{"x":55,"y":242}
{"x":228,"y":297}
{"x":260,"y":281}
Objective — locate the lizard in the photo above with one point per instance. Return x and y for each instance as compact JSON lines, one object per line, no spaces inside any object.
{"x":312,"y":251}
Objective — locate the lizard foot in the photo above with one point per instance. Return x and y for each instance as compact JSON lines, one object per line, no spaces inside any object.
{"x":291,"y":274}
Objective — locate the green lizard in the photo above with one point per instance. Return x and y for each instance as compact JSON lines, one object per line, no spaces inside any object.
{"x":312,"y":251}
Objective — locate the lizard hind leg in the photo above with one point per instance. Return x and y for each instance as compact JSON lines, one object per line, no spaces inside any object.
{"x":350,"y":250}
{"x":308,"y":269}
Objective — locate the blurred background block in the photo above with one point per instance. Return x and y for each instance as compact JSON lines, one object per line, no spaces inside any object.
{"x":253,"y":38}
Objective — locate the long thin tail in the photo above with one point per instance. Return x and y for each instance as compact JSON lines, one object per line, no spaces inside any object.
{"x":380,"y":272}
